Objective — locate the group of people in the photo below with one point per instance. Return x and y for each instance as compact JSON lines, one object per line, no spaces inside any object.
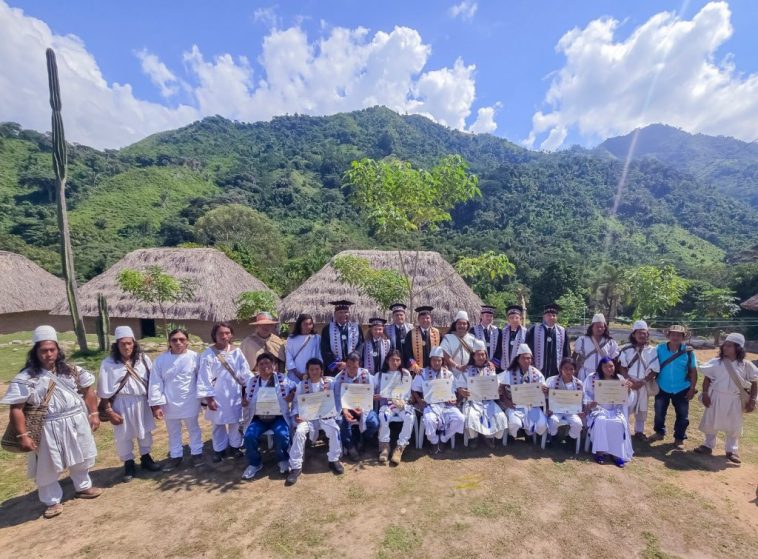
{"x":478,"y":381}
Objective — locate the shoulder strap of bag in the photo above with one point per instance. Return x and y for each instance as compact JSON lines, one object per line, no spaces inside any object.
{"x":736,"y":379}
{"x":302,"y":347}
{"x":49,"y":393}
{"x":674,"y":356}
{"x":131,"y":372}
{"x":226,"y":365}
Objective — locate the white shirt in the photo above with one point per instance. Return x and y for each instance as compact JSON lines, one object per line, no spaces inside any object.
{"x":173,"y":385}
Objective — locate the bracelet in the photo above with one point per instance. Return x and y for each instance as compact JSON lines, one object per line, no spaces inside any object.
{"x":22,"y":435}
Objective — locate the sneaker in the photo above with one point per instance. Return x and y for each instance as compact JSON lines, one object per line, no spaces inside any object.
{"x":147,"y":463}
{"x":600,"y":458}
{"x":172,"y":464}
{"x":250,"y":471}
{"x":733,"y":457}
{"x":284,"y":467}
{"x":292,"y":476}
{"x":678,"y":444}
{"x":53,"y":510}
{"x":352,"y":453}
{"x":130,"y":470}
{"x":397,"y":455}
{"x":91,"y":493}
{"x":702,"y":449}
{"x":233,"y":453}
{"x":384,"y":452}
{"x":337,"y":467}
{"x":217,"y":457}
{"x":619,"y":463}
{"x":197,"y":460}
{"x":656,"y":437}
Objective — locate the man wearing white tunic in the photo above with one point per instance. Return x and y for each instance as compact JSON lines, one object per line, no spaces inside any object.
{"x":222,"y":375}
{"x":639,"y":364}
{"x":457,"y":344}
{"x":548,"y":341}
{"x":566,"y":380}
{"x":441,"y":420}
{"x":726,"y":377}
{"x":66,"y":441}
{"x":521,"y":371}
{"x":511,"y":337}
{"x":172,"y":394}
{"x":339,"y":337}
{"x":312,"y":383}
{"x":302,"y":346}
{"x":397,"y":409}
{"x":593,"y":346}
{"x":123,"y":381}
{"x":397,"y":331}
{"x":607,"y":424}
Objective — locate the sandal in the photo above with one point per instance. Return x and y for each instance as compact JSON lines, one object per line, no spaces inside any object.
{"x":53,"y":510}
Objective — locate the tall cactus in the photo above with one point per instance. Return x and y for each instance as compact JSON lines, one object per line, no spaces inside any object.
{"x":103,"y":323}
{"x":59,"y":166}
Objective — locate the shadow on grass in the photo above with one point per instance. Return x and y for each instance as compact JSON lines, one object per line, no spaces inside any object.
{"x":683,"y":460}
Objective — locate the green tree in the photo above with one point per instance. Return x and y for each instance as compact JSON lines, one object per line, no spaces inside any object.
{"x":250,"y":303}
{"x":484,"y":270}
{"x":572,"y":307}
{"x":383,"y":286}
{"x":712,"y":307}
{"x":608,"y":289}
{"x":555,"y":279}
{"x":156,"y":287}
{"x":654,"y":290}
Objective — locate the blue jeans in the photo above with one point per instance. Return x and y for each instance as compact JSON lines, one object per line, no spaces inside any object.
{"x":281,"y":439}
{"x":681,"y":408}
{"x":346,"y":431}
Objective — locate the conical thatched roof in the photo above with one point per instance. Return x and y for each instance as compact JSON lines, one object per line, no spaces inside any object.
{"x":447,"y":297}
{"x":26,"y":287}
{"x":218,"y":281}
{"x":751,"y":304}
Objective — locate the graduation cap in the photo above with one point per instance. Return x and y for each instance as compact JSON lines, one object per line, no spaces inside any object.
{"x":394,"y":307}
{"x":553,"y":308}
{"x":341,"y":305}
{"x":514,"y":309}
{"x":487,"y":309}
{"x":376,"y":321}
{"x":423,"y":310}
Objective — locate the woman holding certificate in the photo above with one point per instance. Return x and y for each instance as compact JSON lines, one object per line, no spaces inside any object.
{"x":606,"y":394}
{"x":524,"y":394}
{"x":479,"y":386}
{"x":393,"y":391}
{"x":433,"y":390}
{"x":565,"y":398}
{"x":313,"y":410}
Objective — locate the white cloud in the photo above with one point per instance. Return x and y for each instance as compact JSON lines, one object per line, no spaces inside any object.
{"x":665,"y":71}
{"x":465,"y":10}
{"x":341,"y":70}
{"x":267,"y":16}
{"x":485,"y":120}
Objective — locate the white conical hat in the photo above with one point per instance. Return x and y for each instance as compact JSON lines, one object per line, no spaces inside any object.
{"x":44,"y":334}
{"x":736,"y":338}
{"x":522,"y":349}
{"x":599,"y":317}
{"x":478,"y":345}
{"x":639,"y":325}
{"x":123,"y":332}
{"x":436,"y":352}
{"x":462,"y":315}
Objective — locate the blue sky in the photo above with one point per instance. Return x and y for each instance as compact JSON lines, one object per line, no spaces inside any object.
{"x":601,"y":82}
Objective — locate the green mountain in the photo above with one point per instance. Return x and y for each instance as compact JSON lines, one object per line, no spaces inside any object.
{"x":538,"y":208}
{"x":728,"y":164}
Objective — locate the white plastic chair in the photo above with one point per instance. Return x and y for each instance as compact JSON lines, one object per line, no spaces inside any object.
{"x":420,"y":433}
{"x":564,"y":423}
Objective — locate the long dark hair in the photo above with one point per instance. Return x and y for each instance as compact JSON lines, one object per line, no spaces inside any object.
{"x":740,"y":352}
{"x":393,"y":353}
{"x":567,"y":361}
{"x":35,"y":365}
{"x":302,"y":317}
{"x":116,"y":353}
{"x":472,"y":362}
{"x":216,"y":328}
{"x":603,"y":361}
{"x":606,"y":334}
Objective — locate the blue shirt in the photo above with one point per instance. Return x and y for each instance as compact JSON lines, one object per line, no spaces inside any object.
{"x":673,"y":377}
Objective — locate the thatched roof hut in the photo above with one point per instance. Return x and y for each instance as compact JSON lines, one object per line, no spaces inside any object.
{"x":751,"y":304}
{"x":218,"y":282}
{"x":447,"y":297}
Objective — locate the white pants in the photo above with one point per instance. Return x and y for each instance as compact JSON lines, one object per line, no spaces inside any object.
{"x":52,"y":493}
{"x":387,"y":416}
{"x":332,"y":430}
{"x":639,"y":420}
{"x":730,"y":445}
{"x":573,"y":420}
{"x":125,"y":446}
{"x":436,"y":418}
{"x":224,"y":436}
{"x":174,"y":428}
{"x":532,"y":421}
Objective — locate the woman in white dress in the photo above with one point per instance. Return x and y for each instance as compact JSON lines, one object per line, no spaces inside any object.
{"x":66,"y":441}
{"x":124,"y":378}
{"x":521,"y":371}
{"x":725,"y":378}
{"x":593,"y":346}
{"x":482,"y":417}
{"x":301,"y":346}
{"x":607,"y":424}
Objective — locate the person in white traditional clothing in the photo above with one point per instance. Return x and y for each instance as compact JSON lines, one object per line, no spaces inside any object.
{"x":301,"y":346}
{"x":222,"y":377}
{"x":566,"y":380}
{"x":172,"y":394}
{"x":339,"y":337}
{"x":315,"y":381}
{"x":638,"y":362}
{"x":521,"y":371}
{"x":443,"y":420}
{"x":122,"y":386}
{"x":511,"y":337}
{"x":730,"y":386}
{"x":397,"y":331}
{"x":593,"y":346}
{"x":457,"y":344}
{"x":365,"y":422}
{"x":420,"y":340}
{"x":264,"y":338}
{"x":607,"y":425}
{"x":548,"y":341}
{"x":66,"y":441}
{"x":486,"y":331}
{"x":395,"y":409}
{"x":264,"y":419}
{"x":376,"y":347}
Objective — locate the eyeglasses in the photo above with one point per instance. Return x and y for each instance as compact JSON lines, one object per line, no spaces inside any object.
{"x":177,"y":340}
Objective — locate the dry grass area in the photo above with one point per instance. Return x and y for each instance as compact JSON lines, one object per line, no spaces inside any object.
{"x":517,"y":500}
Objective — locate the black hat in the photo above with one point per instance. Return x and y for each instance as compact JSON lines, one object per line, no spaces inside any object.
{"x":552,"y":307}
{"x":341,"y":305}
{"x":394,"y":307}
{"x":424,"y":310}
{"x":514,"y":309}
{"x":376,"y":321}
{"x":487,"y":309}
